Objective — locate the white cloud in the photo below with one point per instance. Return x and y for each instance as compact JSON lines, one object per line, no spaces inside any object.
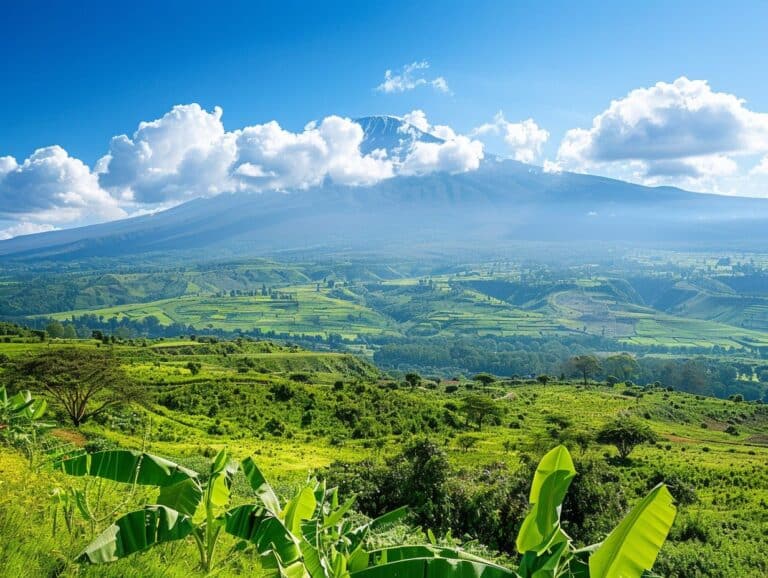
{"x":525,"y":139}
{"x":761,"y":168}
{"x":417,"y":118}
{"x":453,"y":153}
{"x":186,"y":153}
{"x":270,"y":157}
{"x":454,"y":156}
{"x":25,"y":228}
{"x":552,"y":167}
{"x":411,"y":76}
{"x":52,"y":186}
{"x":681,"y":133}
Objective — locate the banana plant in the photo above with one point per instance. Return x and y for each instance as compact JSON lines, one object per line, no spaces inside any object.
{"x":332,"y":546}
{"x":548,"y":552}
{"x":185,"y":507}
{"x":313,"y":535}
{"x":20,"y":424}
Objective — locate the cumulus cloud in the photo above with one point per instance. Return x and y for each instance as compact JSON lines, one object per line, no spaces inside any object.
{"x":552,"y":167}
{"x":450,"y":153}
{"x":761,"y":168}
{"x":411,"y":76}
{"x":25,"y":228}
{"x":184,"y":154}
{"x":52,"y":186}
{"x":188,"y":153}
{"x":269,"y":157}
{"x":525,"y":139}
{"x":681,"y":132}
{"x":454,"y":156}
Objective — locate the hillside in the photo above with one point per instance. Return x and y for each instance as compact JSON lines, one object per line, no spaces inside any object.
{"x":500,"y":203}
{"x":421,"y":307}
{"x":298,"y":411}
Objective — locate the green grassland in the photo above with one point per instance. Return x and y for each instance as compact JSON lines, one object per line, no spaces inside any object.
{"x":299,"y":411}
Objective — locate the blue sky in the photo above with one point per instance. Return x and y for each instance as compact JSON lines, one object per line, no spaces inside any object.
{"x":75,"y":75}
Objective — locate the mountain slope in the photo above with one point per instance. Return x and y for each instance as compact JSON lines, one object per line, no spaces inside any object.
{"x":502,"y":202}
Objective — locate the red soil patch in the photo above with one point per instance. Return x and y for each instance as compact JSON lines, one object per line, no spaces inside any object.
{"x":67,"y":435}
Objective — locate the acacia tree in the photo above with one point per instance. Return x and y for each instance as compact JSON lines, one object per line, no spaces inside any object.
{"x":485,"y":378}
{"x":85,"y":382}
{"x":585,"y":365}
{"x":412,"y":379}
{"x":625,"y":435}
{"x":479,"y":408}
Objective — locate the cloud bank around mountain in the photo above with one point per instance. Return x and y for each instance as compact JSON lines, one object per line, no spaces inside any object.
{"x":188,"y":153}
{"x":681,"y":133}
{"x":524,"y":139}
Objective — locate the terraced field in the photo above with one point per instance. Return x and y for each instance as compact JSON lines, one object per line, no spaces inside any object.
{"x":444,"y":307}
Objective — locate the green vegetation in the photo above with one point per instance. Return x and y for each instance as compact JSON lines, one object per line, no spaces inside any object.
{"x":433,"y":317}
{"x":458,"y":452}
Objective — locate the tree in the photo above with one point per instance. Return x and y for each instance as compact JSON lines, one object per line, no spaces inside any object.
{"x":485,"y":378}
{"x":625,"y":434}
{"x":194,"y":367}
{"x":583,"y":440}
{"x":412,"y":379}
{"x":479,"y":408}
{"x":584,"y":365}
{"x":622,"y":365}
{"x":467,"y":442}
{"x":55,"y":330}
{"x":86,"y":382}
{"x":543,"y":379}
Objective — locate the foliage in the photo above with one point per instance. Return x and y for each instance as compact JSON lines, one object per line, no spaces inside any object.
{"x":626,"y":434}
{"x":479,"y":409}
{"x":308,"y":536}
{"x":629,"y":550}
{"x":85,"y":382}
{"x":584,"y":365}
{"x":20,"y":421}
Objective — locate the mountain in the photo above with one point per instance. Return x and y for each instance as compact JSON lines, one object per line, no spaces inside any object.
{"x":502,"y":203}
{"x":392,"y":134}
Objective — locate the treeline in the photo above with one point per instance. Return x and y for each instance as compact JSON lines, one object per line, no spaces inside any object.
{"x":713,"y":376}
{"x":89,"y":325}
{"x":521,"y":356}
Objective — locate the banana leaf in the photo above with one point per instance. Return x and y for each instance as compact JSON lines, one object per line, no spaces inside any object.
{"x":541,"y":527}
{"x":135,"y":532}
{"x":128,"y":467}
{"x":632,"y":547}
{"x":266,"y":531}
{"x":260,"y":485}
{"x":434,"y":568}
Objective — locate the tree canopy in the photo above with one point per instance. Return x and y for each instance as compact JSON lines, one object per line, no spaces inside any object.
{"x":480,"y":408}
{"x":625,"y":435}
{"x":85,"y":382}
